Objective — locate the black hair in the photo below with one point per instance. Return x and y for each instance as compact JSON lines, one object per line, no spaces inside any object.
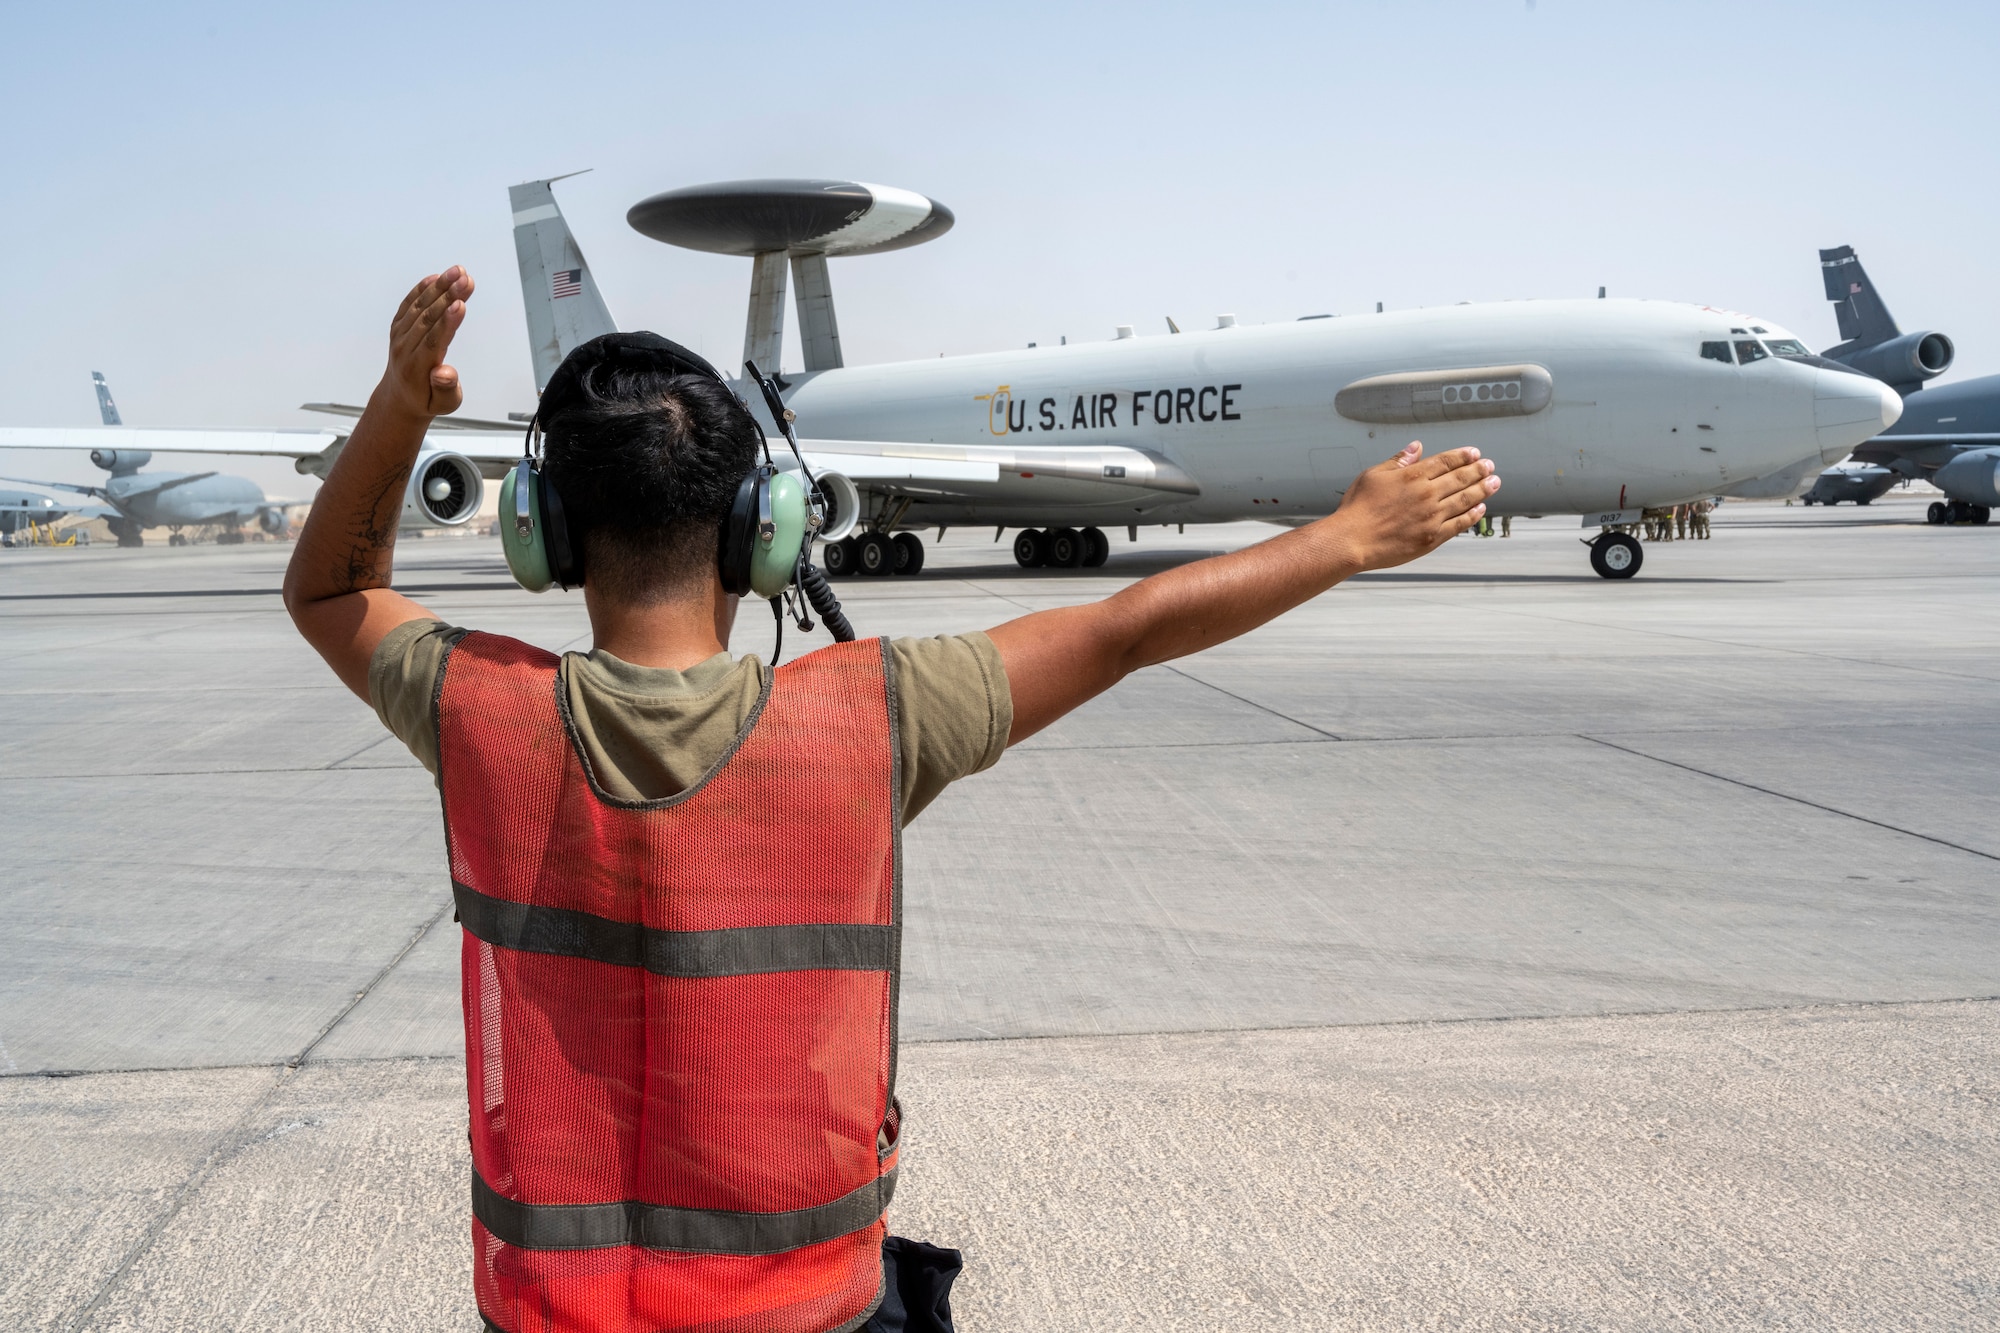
{"x":647,"y":459}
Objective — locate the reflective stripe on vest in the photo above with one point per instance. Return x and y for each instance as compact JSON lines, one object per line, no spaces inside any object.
{"x":680,"y":1014}
{"x":590,"y":1226}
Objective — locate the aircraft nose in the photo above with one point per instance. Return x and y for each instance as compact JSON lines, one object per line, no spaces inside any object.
{"x":1850,"y":408}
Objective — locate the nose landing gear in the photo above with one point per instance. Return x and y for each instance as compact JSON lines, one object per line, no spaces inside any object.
{"x":1616,"y":555}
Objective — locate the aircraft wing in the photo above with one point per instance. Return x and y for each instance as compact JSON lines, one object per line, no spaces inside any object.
{"x":439,"y":423}
{"x":167,"y":485}
{"x":97,"y":491}
{"x":58,"y":512}
{"x":102,"y":494}
{"x":167,"y":439}
{"x":1112,"y":465}
{"x":493,"y":448}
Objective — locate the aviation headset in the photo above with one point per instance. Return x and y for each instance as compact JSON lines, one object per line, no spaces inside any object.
{"x":765,"y":544}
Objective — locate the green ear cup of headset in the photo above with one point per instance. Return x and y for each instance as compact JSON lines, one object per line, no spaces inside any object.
{"x":772,"y":560}
{"x":521,"y":535}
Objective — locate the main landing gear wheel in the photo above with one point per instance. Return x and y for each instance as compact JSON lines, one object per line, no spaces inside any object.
{"x":839,"y":558}
{"x":1955,"y":512}
{"x":1096,"y":548}
{"x":1065,"y":548}
{"x":1616,"y":556}
{"x":175,"y":539}
{"x":909,"y":553}
{"x":876,"y":554}
{"x":1031,"y":548}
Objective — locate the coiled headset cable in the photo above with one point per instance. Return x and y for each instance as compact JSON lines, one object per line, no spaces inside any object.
{"x":809,"y":578}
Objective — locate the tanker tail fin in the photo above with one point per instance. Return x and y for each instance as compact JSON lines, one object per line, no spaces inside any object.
{"x":105,"y":407}
{"x":563,"y":304}
{"x":1864,"y":320}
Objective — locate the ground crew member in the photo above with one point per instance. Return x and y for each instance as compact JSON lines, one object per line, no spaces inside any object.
{"x":1680,"y":523}
{"x":677,"y":871}
{"x":1698,"y":519}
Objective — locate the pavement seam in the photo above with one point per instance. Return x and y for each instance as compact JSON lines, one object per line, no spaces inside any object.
{"x":1787,"y":796}
{"x":238,"y":1136}
{"x":1802,"y":1006}
{"x":226,"y":1145}
{"x":1252,"y":703}
{"x":373,"y":982}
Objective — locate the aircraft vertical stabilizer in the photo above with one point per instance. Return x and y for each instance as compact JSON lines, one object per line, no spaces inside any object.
{"x":564,"y":308}
{"x":1864,"y":320}
{"x":105,"y":407}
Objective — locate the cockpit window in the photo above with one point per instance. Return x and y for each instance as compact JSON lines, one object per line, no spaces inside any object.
{"x":1758,"y":328}
{"x":1717,"y":352}
{"x":1748,"y":350}
{"x":1787,"y":347}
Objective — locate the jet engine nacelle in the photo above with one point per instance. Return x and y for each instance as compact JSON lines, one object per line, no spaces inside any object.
{"x":118,"y":462}
{"x":843,"y":504}
{"x":273,"y":521}
{"x":1972,"y":477}
{"x":1908,"y":360}
{"x":444,"y":492}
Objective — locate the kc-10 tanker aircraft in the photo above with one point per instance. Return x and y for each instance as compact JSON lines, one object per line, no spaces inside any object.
{"x":1599,"y":408}
{"x":1949,"y":437}
{"x":135,"y":500}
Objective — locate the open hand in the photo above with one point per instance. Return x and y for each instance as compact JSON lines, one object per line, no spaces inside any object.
{"x":1411,"y":505}
{"x":418,"y":380}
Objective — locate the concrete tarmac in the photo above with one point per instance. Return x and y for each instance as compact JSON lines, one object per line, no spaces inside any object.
{"x":1484,"y":944}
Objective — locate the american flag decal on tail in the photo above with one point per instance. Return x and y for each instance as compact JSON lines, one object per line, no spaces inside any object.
{"x":566,"y":282}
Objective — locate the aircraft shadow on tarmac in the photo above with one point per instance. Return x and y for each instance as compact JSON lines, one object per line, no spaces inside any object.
{"x":1141,"y":566}
{"x":1119,"y":569}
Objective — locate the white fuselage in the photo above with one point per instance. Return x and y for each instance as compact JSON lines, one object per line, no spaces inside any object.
{"x":1638,"y":416}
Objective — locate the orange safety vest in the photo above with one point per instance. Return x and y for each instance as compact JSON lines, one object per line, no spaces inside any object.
{"x":680,"y":1015}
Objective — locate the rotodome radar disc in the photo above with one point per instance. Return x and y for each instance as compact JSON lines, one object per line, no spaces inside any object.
{"x":811,"y":216}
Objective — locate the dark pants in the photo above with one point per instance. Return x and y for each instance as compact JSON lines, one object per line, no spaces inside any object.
{"x":916,"y":1288}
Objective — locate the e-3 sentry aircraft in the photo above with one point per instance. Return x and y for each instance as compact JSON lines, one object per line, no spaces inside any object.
{"x":1598,"y":408}
{"x":1594,"y":408}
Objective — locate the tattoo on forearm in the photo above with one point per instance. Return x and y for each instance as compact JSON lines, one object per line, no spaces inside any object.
{"x":366,"y":561}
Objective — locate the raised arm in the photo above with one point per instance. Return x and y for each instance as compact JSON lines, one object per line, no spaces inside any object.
{"x":1393,"y":513}
{"x":337,"y":585}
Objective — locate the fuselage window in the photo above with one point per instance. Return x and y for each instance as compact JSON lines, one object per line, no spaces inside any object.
{"x":1787,"y":347}
{"x":1748,"y":350}
{"x":1717,"y":352}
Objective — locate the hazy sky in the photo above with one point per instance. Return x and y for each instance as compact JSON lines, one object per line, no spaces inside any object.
{"x":218,"y":205}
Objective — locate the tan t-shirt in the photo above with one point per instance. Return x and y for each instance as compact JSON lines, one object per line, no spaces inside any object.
{"x":649,"y":732}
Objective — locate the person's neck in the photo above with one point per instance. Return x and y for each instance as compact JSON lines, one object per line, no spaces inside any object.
{"x":678,"y":634}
